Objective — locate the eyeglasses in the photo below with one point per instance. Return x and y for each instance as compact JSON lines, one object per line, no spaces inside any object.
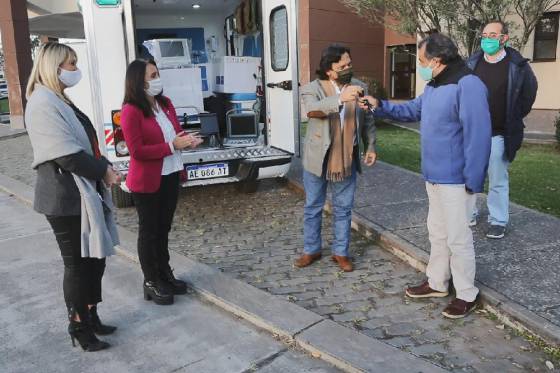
{"x":491,"y":35}
{"x":342,"y":69}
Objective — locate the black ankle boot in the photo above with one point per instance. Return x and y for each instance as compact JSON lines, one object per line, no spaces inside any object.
{"x":175,"y":286}
{"x":157,"y":292}
{"x":98,"y":327}
{"x":83,"y":332}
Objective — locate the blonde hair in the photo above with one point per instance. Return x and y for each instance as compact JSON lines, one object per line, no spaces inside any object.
{"x":45,"y":70}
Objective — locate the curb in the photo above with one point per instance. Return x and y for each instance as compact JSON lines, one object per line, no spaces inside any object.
{"x":340,"y":346}
{"x":14,"y":134}
{"x":507,"y":311}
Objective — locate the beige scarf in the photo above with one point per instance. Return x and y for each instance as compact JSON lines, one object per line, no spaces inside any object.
{"x":339,"y":165}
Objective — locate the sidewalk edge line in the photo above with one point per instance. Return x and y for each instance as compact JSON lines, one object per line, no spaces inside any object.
{"x":17,"y":189}
{"x":325,"y":356}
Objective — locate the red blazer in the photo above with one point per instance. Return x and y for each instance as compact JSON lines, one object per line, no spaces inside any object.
{"x":147,"y":147}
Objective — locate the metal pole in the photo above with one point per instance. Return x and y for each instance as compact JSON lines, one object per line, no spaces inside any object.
{"x":14,"y":26}
{"x":93,"y":62}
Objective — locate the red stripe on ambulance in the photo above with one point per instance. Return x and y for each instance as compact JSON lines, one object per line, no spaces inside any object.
{"x":109,"y":137}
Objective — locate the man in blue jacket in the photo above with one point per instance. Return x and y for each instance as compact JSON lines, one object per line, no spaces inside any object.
{"x":455,"y":131}
{"x":512,"y":89}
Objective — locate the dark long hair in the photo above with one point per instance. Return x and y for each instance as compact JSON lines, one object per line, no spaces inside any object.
{"x":332,"y":54}
{"x":134,"y":92}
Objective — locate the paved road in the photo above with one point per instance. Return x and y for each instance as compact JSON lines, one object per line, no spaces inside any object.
{"x":256,"y":237}
{"x":190,"y":336}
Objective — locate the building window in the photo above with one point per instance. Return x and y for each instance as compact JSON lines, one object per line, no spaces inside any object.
{"x":546,"y":38}
{"x":403,"y":72}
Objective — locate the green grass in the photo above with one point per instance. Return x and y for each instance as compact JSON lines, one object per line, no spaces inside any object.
{"x":398,"y":146}
{"x":534,"y":175}
{"x":4,"y":106}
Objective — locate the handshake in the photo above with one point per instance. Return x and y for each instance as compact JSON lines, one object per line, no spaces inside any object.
{"x":355,"y":93}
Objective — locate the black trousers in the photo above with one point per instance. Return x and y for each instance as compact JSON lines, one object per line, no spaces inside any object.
{"x":82,"y":276}
{"x":155,"y":215}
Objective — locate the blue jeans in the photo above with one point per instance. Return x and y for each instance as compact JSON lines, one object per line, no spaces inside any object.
{"x":498,"y":189}
{"x":342,"y":201}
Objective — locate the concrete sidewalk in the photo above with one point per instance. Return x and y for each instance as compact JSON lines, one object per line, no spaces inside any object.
{"x":518,"y":275}
{"x":6,"y":132}
{"x":190,"y":336}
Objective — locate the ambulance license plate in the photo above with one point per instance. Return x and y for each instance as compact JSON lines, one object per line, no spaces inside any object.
{"x":207,"y":171}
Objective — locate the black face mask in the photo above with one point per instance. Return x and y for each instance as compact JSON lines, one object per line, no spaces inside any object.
{"x":344,"y":76}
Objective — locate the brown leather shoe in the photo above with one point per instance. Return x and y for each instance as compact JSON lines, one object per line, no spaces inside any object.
{"x":344,"y":263}
{"x":459,"y":308}
{"x":425,"y":291}
{"x":306,"y":260}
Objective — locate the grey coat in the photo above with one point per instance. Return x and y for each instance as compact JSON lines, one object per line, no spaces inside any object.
{"x":55,"y":132}
{"x":318,"y":138}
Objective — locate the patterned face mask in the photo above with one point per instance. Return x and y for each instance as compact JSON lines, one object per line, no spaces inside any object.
{"x":344,"y":76}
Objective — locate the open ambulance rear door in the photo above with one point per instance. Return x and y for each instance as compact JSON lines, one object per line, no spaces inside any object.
{"x":281,"y":73}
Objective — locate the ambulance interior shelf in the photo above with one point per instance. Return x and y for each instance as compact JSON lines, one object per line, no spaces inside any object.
{"x":243,"y":129}
{"x":244,"y":25}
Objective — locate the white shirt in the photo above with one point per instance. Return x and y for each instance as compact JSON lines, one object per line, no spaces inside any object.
{"x":340,"y":103}
{"x":343,"y":110}
{"x":172,"y":163}
{"x":502,"y":54}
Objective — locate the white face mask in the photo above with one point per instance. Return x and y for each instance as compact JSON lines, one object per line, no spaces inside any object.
{"x":70,"y":78}
{"x":155,"y":87}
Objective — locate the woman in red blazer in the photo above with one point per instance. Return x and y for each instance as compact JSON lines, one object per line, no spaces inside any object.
{"x":154,"y":139}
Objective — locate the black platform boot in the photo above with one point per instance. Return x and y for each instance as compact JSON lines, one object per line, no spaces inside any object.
{"x":157,"y":292}
{"x":174,"y":285}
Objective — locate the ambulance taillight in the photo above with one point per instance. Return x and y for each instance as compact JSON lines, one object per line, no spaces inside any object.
{"x":121,"y":149}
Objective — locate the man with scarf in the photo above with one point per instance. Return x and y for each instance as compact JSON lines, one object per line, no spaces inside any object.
{"x":331,"y":155}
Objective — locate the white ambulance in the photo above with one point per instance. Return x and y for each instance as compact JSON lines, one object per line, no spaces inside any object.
{"x":229,"y":66}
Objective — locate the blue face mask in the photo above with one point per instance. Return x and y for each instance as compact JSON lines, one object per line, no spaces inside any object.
{"x":426,"y":73}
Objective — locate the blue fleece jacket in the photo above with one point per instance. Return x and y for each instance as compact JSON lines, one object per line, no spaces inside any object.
{"x":455,"y":127}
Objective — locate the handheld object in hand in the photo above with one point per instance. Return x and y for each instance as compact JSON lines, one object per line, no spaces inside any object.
{"x":365,"y":101}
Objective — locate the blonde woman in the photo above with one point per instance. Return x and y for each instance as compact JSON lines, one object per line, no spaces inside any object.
{"x":72,"y":175}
